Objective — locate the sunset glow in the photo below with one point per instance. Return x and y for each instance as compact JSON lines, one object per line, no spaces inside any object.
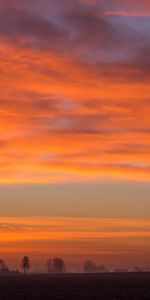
{"x":75,"y":112}
{"x":106,"y":239}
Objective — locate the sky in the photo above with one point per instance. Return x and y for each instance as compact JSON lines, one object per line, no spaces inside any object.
{"x":75,"y":130}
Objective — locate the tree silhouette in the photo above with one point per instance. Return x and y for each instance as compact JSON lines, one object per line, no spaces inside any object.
{"x":25,"y":264}
{"x":89,"y":266}
{"x":49,"y":265}
{"x":1,"y":263}
{"x":3,"y":267}
{"x":58,"y":265}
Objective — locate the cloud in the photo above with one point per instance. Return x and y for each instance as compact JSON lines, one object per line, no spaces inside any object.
{"x":74,"y":93}
{"x":72,"y":229}
{"x":20,"y":23}
{"x":71,"y":32}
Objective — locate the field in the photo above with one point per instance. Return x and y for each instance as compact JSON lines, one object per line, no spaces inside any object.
{"x":76,"y":287}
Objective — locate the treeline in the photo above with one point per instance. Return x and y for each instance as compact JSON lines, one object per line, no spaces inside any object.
{"x":54,"y":265}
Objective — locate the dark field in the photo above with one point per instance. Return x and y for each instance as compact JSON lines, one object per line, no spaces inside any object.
{"x":76,"y":287}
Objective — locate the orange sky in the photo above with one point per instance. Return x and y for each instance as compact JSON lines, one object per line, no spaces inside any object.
{"x":52,"y":130}
{"x":104,"y":240}
{"x":66,"y":116}
{"x":74,"y":110}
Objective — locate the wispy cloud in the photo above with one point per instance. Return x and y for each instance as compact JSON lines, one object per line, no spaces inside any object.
{"x":74,"y":91}
{"x":99,"y":238}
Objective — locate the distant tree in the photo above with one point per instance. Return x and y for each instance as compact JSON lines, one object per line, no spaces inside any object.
{"x":49,"y":265}
{"x":89,"y":266}
{"x":3,"y":267}
{"x":25,"y":264}
{"x":58,"y":265}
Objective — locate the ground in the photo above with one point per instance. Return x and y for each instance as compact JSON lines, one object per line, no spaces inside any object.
{"x":134,"y":286}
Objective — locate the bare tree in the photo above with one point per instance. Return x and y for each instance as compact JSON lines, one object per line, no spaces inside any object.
{"x":89,"y":266}
{"x":49,"y":265}
{"x":25,"y":264}
{"x":58,"y":265}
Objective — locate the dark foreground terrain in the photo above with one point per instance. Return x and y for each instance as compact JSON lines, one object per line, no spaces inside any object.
{"x":76,"y":287}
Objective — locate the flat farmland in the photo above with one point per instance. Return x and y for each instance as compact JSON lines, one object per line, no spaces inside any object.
{"x":132,"y":286}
